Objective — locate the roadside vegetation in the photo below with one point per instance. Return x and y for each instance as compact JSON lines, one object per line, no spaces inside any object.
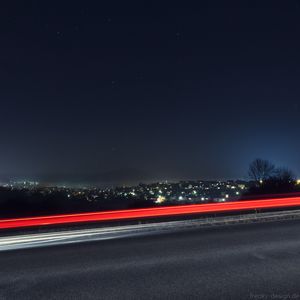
{"x":266,"y":178}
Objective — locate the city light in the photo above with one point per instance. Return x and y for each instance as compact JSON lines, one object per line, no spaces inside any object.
{"x":160,"y":199}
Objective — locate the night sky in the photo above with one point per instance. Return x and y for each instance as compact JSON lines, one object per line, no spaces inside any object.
{"x":132,"y":92}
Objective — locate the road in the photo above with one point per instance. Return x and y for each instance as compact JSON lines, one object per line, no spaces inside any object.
{"x":250,"y":261}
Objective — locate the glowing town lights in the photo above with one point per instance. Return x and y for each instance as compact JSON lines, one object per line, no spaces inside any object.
{"x":237,"y":193}
{"x":226,"y":196}
{"x":160,"y":199}
{"x":180,"y":198}
{"x":195,"y":192}
{"x":298,"y":181}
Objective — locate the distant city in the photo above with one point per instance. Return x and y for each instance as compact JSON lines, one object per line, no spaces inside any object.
{"x":158,"y":193}
{"x":29,"y":198}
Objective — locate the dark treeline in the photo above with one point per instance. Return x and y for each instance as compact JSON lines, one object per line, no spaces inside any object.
{"x":266,"y":178}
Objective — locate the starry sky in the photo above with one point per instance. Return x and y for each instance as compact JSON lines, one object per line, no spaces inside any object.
{"x":113,"y":92}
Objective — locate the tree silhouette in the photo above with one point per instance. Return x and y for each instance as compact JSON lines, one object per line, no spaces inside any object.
{"x":260,"y":170}
{"x":267,"y":179}
{"x":285,"y":175}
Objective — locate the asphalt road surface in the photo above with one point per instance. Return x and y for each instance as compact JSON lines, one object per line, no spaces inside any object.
{"x":253,"y":261}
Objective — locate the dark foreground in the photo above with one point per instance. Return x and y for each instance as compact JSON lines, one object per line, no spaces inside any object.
{"x":254,"y":261}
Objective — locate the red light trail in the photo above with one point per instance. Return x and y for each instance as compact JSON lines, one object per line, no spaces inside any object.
{"x":149,"y":212}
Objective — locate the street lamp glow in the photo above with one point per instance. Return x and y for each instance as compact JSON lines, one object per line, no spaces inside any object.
{"x":160,"y":199}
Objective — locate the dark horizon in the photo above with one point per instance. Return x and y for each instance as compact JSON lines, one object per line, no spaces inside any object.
{"x":104,"y":181}
{"x":143,"y":93}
